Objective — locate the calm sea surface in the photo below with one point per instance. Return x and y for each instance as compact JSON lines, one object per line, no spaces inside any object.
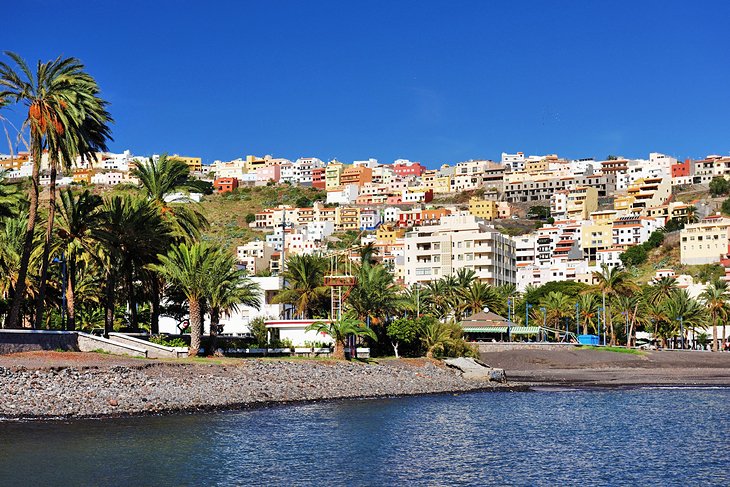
{"x":624,"y":437}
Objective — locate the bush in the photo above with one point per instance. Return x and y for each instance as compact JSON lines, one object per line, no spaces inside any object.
{"x":719,"y":186}
{"x":726,"y":206}
{"x":173,"y":342}
{"x":250,"y":218}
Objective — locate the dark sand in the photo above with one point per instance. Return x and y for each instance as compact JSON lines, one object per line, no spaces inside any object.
{"x":576,"y":367}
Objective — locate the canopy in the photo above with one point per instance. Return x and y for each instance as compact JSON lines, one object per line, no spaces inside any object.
{"x":514,"y":330}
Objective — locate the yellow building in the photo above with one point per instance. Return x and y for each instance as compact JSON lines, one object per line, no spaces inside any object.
{"x":643,"y":194}
{"x":332,"y":174}
{"x":252,"y":163}
{"x":388,"y":234}
{"x":605,"y":216}
{"x":581,"y":202}
{"x":82,"y":176}
{"x":348,"y":218}
{"x":705,"y":242}
{"x":486,"y":209}
{"x":194,"y":163}
{"x":596,"y":237}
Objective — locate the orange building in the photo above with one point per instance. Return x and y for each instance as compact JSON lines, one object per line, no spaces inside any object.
{"x":225,"y":185}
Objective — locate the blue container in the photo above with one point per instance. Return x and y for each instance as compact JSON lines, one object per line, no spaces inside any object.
{"x":588,"y":339}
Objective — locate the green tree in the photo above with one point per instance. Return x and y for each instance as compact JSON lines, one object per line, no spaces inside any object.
{"x":59,"y":96}
{"x":375,"y":297}
{"x":633,"y":256}
{"x":79,"y":229}
{"x":612,"y":281}
{"x":719,"y":186}
{"x":187,"y":267}
{"x":403,"y":331}
{"x":339,"y":330}
{"x":228,"y":288}
{"x":304,"y":285}
{"x":715,"y":296}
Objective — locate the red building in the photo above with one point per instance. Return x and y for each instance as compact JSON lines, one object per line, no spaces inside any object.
{"x":682,"y":169}
{"x":412,"y":169}
{"x":318,"y":179}
{"x":225,"y":185}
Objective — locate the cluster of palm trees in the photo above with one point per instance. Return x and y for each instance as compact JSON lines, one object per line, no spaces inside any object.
{"x":619,"y":307}
{"x":95,"y":255}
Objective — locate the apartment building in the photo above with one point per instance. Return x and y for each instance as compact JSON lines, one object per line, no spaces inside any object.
{"x":254,"y":256}
{"x":633,"y":229}
{"x":404,"y":168}
{"x":303,"y":168}
{"x":705,"y":242}
{"x":459,"y":242}
{"x":644,"y":194}
{"x":542,"y":189}
{"x":225,"y":185}
{"x":486,"y":209}
{"x":332,"y":174}
{"x":357,"y":175}
{"x":194,"y":163}
{"x":582,"y":201}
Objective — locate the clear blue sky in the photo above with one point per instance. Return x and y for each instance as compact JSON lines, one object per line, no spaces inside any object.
{"x":430,"y":81}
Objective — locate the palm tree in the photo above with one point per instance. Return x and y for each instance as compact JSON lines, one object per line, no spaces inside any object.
{"x":681,"y":308}
{"x":478,"y":296}
{"x":58,"y":96}
{"x":375,"y":297}
{"x":435,"y":336}
{"x":437,"y":294}
{"x":305,"y":289}
{"x":10,"y":198}
{"x":715,"y":297}
{"x":79,"y":230}
{"x":613,"y":281}
{"x":661,"y":289}
{"x":339,"y":330}
{"x":187,"y":266}
{"x":588,"y":311}
{"x":228,"y":288}
{"x":160,"y":180}
{"x":557,"y":306}
{"x":134,"y":236}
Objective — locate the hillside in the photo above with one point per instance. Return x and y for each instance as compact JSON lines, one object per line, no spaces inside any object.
{"x":227,"y":213}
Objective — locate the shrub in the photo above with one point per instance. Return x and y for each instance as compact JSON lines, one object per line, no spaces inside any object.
{"x":172,"y":342}
{"x":719,"y":186}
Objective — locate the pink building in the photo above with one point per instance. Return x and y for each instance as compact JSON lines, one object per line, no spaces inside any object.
{"x":409,"y":169}
{"x":268,"y":173}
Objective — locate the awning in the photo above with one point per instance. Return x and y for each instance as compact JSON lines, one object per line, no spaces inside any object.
{"x":514,"y":330}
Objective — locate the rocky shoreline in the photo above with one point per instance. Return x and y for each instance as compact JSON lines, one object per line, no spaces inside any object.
{"x":149,"y":387}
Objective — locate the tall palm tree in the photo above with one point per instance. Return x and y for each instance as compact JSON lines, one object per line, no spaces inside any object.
{"x":187,"y":267}
{"x":58,"y":96}
{"x":612,"y":281}
{"x":79,"y":230}
{"x":375,"y":297}
{"x":10,"y":198}
{"x":340,"y":329}
{"x":681,"y":308}
{"x":715,"y":297}
{"x":228,"y":288}
{"x":588,"y":311}
{"x":661,"y":289}
{"x":304,"y":288}
{"x":134,"y":237}
{"x":159,"y":181}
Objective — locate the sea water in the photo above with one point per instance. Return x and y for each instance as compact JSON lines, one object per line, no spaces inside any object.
{"x":648,"y":436}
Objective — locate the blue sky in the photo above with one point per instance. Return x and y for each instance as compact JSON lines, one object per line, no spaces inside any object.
{"x":437,"y":82}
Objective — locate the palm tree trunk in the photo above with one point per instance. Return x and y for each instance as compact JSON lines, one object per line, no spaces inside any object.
{"x":215,"y":319}
{"x":155,"y":307}
{"x":196,"y":326}
{"x":723,"y":338}
{"x":13,"y":320}
{"x":109,"y":306}
{"x":41,"y":299}
{"x":70,"y":297}
{"x":714,"y":336}
{"x":339,"y":352}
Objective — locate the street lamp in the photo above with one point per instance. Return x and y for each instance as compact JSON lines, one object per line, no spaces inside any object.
{"x":681,"y":329}
{"x":544,"y":321}
{"x":509,"y":309}
{"x":600,"y":310}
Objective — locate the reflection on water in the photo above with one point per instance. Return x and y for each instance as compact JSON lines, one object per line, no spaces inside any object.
{"x":643,"y":436}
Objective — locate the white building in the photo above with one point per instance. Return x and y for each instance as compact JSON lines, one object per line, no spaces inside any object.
{"x":345,"y":195}
{"x":459,"y":241}
{"x":254,"y":256}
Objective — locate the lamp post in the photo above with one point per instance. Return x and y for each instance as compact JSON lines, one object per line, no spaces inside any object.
{"x":418,"y":300}
{"x":544,"y":321}
{"x":509,"y":309}
{"x":577,"y":320}
{"x":626,"y":327}
{"x":600,"y":310}
{"x":681,"y":329}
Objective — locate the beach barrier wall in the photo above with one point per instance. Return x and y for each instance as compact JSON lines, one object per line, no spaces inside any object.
{"x":485,"y":347}
{"x":14,"y":341}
